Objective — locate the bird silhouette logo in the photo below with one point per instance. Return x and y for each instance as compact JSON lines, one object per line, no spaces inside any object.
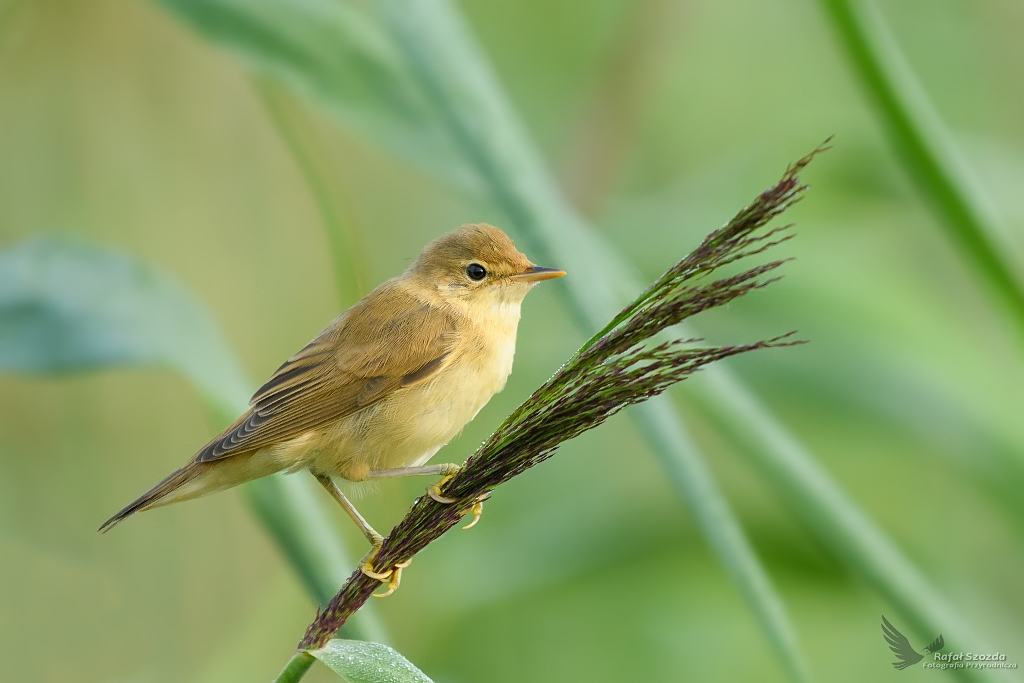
{"x":899,"y":644}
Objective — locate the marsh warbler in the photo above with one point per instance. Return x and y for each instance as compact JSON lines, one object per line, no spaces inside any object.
{"x":384,"y":387}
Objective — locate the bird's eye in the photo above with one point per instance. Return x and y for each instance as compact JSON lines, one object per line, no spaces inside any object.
{"x":475,"y":271}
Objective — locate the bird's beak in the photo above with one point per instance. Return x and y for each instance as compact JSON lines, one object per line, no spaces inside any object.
{"x":537,"y":273}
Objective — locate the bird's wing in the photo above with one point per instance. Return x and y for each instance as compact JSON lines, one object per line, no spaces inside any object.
{"x":899,"y":644}
{"x":359,"y":360}
{"x":937,"y":644}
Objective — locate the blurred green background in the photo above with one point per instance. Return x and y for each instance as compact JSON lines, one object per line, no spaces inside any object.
{"x":121,"y":126}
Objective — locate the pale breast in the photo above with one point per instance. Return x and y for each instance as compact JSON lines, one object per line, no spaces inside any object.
{"x":411,"y":425}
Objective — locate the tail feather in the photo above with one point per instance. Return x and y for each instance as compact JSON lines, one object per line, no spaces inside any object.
{"x":151,"y":497}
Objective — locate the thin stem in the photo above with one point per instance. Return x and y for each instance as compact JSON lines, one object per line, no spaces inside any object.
{"x":296,"y":668}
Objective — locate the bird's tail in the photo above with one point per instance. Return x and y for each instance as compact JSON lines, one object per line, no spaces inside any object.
{"x":150,"y":498}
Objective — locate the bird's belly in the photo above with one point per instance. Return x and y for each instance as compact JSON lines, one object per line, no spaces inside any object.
{"x":411,"y":425}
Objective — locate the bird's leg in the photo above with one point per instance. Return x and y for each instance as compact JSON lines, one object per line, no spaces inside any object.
{"x":375,"y":539}
{"x":448,"y":470}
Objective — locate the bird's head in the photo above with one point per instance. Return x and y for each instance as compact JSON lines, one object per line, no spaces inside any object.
{"x":478,"y":265}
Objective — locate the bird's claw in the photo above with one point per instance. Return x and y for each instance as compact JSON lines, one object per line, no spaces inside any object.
{"x":393,"y":575}
{"x":396,"y":579}
{"x":477,"y":510}
{"x":380,"y":576}
{"x":434,"y":490}
{"x":366,"y":564}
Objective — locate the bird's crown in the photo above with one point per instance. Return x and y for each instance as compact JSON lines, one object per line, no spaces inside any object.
{"x":478,"y":243}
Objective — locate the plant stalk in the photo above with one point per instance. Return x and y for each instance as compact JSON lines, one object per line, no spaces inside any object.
{"x":296,"y":668}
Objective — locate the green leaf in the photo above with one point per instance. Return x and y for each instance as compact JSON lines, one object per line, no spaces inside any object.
{"x":361,"y":662}
{"x":66,"y":306}
{"x":331,"y":51}
{"x":926,"y":147}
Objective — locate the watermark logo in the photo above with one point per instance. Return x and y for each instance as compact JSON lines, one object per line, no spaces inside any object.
{"x":899,"y":644}
{"x":908,"y":656}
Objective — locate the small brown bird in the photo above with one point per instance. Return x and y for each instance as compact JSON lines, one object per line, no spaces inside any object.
{"x":384,"y":387}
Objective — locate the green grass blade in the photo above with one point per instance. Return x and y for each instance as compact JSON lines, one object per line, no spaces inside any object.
{"x":822,"y":504}
{"x":453,"y":69}
{"x":346,"y":245}
{"x":688,"y":472}
{"x":926,"y":146}
{"x":293,"y":513}
{"x":332,"y":52}
{"x":359,"y":662}
{"x":67,"y":307}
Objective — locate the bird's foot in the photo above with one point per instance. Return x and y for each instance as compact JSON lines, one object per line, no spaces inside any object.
{"x":366,"y":564}
{"x":434,"y":490}
{"x":396,"y":579}
{"x":392,"y":575}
